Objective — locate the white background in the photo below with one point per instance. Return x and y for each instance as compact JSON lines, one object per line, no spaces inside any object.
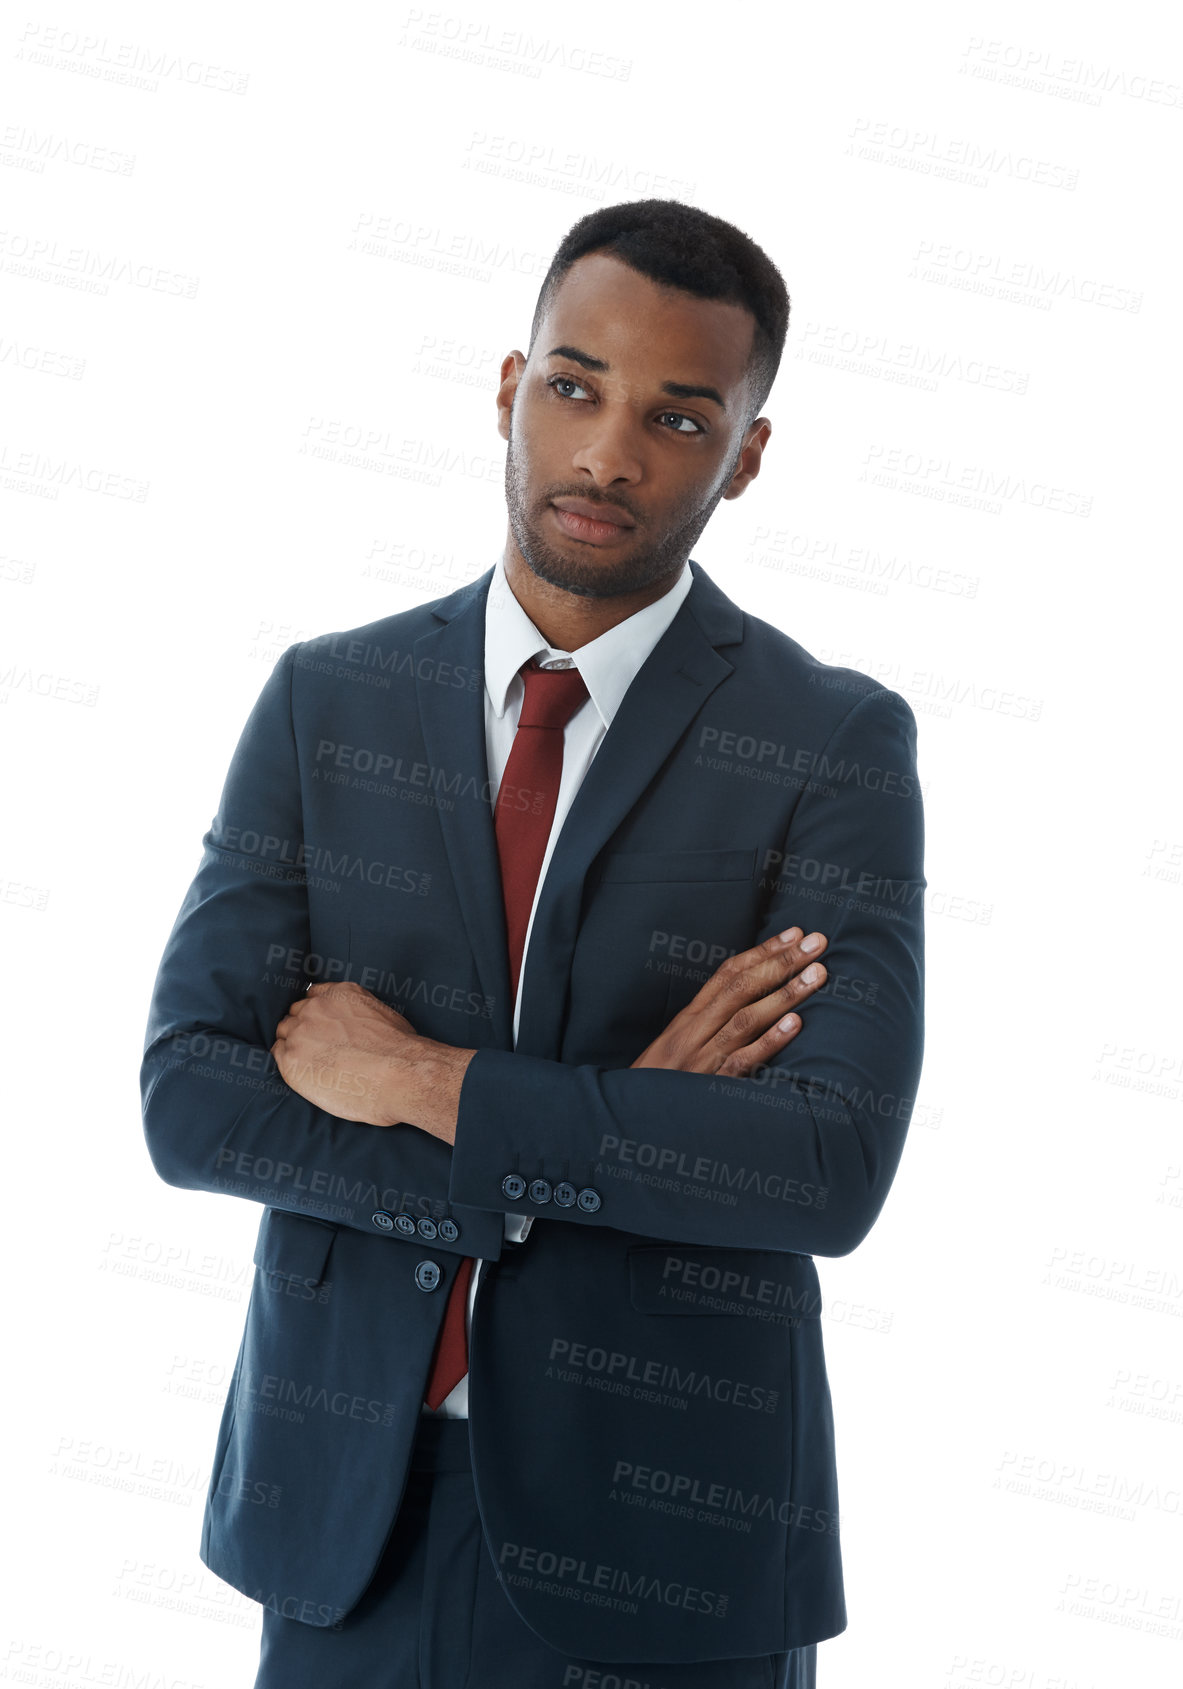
{"x":968,"y":491}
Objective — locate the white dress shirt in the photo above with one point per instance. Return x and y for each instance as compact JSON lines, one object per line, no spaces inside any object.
{"x":608,"y":665}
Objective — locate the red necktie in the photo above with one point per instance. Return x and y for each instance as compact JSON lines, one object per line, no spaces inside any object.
{"x":523,"y":817}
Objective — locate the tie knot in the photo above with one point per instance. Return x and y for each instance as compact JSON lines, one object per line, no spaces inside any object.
{"x":552,"y":695}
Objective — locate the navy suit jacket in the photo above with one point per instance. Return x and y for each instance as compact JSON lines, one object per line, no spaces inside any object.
{"x":651,"y":1424}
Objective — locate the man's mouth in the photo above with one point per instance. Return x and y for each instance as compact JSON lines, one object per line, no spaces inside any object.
{"x":575,"y":517}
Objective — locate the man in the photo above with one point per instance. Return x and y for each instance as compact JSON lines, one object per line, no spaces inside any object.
{"x":532,"y":1389}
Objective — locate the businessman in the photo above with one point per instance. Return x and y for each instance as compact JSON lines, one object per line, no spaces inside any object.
{"x":499,"y":987}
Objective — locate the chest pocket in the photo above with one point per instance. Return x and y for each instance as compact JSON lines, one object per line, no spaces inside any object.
{"x":642,"y":867}
{"x":656,"y":924}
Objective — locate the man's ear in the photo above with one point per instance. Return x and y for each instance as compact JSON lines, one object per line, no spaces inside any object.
{"x":512,"y":366}
{"x":748,"y":463}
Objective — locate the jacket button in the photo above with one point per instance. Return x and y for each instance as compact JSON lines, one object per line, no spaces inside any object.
{"x":405,"y":1224}
{"x":427,"y":1275}
{"x":513,"y":1185}
{"x":383,"y":1220}
{"x":449,"y":1231}
{"x":564,"y":1194}
{"x":427,"y":1227}
{"x":540,"y":1190}
{"x":589,"y":1199}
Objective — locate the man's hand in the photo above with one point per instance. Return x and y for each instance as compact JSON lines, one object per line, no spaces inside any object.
{"x":350,"y":1053}
{"x":735,"y":1021}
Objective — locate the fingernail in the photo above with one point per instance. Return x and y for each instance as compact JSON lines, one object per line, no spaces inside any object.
{"x":786,"y":1023}
{"x":810,"y":943}
{"x":810,"y":973}
{"x":787,"y":936}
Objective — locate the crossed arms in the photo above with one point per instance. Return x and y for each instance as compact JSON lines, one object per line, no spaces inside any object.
{"x":724,"y":1130}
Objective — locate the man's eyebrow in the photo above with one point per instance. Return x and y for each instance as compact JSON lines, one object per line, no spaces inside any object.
{"x":676,"y":389}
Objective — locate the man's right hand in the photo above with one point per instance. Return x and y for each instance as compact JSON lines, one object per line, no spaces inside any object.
{"x":733,"y":1024}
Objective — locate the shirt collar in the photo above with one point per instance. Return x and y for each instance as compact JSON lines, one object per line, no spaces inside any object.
{"x":608,"y":663}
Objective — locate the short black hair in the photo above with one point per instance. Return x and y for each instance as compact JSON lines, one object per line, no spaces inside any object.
{"x":680,"y":246}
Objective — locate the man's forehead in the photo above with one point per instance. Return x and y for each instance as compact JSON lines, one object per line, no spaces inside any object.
{"x":611,"y":311}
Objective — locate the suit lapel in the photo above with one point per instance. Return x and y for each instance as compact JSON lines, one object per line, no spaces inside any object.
{"x":667,"y":692}
{"x":450,"y":688}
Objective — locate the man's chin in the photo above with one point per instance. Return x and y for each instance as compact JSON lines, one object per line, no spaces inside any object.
{"x":585,"y":578}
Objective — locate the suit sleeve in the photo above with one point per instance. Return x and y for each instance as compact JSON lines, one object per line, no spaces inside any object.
{"x":217,"y":1114}
{"x":800,"y":1155}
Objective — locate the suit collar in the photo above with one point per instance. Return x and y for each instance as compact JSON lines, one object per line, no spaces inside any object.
{"x":720,"y":619}
{"x":607,"y":663}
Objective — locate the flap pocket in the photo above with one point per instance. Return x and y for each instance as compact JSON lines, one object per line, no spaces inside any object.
{"x":294,"y":1245}
{"x":760,"y":1284}
{"x":641,"y":865}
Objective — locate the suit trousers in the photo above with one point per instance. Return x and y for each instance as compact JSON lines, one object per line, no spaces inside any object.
{"x":434,"y":1615}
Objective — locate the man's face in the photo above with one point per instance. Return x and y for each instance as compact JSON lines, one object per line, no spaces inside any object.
{"x":614,"y":437}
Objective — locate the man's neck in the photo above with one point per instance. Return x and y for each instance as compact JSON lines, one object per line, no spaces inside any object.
{"x":567,"y":620}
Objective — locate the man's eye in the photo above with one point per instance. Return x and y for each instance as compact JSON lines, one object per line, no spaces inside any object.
{"x":557,"y":381}
{"x":567,"y":381}
{"x":694,"y":425}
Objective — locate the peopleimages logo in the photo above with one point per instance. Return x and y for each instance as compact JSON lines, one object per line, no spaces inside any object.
{"x":569,"y":1360}
{"x":289,"y":1398}
{"x":707,"y":1276}
{"x":580,"y":1578}
{"x":704,"y":1170}
{"x":705,"y":1501}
